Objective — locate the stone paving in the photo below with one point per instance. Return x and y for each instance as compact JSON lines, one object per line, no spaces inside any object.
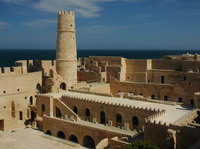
{"x":24,"y":138}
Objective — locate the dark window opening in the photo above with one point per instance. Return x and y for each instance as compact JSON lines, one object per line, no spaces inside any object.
{"x":43,"y":108}
{"x":63,"y":86}
{"x":166,"y":98}
{"x":20,"y":115}
{"x":2,"y":125}
{"x":118,"y":120}
{"x":162,"y":79}
{"x":33,"y":115}
{"x":31,"y":100}
{"x":192,"y":102}
{"x":87,"y":114}
{"x":75,"y":109}
{"x":38,"y":86}
{"x":102,"y":117}
{"x":58,"y":113}
{"x":135,"y":121}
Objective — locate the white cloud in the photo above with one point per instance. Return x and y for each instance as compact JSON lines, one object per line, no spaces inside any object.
{"x":39,"y":23}
{"x":4,"y":24}
{"x":83,"y":8}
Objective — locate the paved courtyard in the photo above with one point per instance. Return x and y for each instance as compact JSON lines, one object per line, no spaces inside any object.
{"x":24,"y":138}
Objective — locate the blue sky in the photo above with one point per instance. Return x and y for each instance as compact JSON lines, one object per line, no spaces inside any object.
{"x":102,"y":24}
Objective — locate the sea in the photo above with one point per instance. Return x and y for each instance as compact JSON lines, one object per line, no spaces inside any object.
{"x":8,"y":57}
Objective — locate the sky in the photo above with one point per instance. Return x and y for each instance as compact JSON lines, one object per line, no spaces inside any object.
{"x":103,"y":24}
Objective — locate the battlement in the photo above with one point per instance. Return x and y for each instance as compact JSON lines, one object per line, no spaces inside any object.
{"x":11,"y":70}
{"x":44,"y":96}
{"x":66,"y":13}
{"x":151,"y":118}
{"x":110,"y":103}
{"x":156,"y":123}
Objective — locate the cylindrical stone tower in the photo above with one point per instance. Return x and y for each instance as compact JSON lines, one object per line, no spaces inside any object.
{"x":66,"y":54}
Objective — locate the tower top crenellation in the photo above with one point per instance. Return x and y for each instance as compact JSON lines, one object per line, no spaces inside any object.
{"x":66,"y":13}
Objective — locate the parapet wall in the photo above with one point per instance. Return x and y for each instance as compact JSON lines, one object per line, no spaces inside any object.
{"x":156,"y":133}
{"x":167,"y":64}
{"x":111,"y":109}
{"x":112,"y":60}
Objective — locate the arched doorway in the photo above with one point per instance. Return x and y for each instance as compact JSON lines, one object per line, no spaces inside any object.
{"x":63,"y":86}
{"x":87,"y":114}
{"x":48,"y":132}
{"x":61,"y":135}
{"x":88,"y":142}
{"x":31,"y":100}
{"x":38,"y":86}
{"x":75,"y":109}
{"x":73,"y":138}
{"x":135,"y":121}
{"x":58,"y":113}
{"x":102,"y":117}
{"x":118,"y":120}
{"x":33,"y":115}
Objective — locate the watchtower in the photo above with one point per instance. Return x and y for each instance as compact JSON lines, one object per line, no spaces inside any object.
{"x":66,"y":53}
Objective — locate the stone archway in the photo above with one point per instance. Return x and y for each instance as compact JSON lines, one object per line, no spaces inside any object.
{"x":88,"y":142}
{"x":135,"y":121}
{"x":48,"y":132}
{"x":63,"y":86}
{"x":61,"y":135}
{"x":87,"y":114}
{"x":73,"y":138}
{"x":118,"y":120}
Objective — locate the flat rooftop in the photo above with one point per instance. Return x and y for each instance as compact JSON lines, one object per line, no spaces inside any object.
{"x":173,"y":112}
{"x":30,"y":138}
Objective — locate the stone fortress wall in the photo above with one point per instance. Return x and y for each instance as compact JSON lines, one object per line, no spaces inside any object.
{"x":18,"y":89}
{"x":170,"y":80}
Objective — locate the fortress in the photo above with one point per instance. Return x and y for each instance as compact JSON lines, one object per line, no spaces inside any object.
{"x":104,"y":102}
